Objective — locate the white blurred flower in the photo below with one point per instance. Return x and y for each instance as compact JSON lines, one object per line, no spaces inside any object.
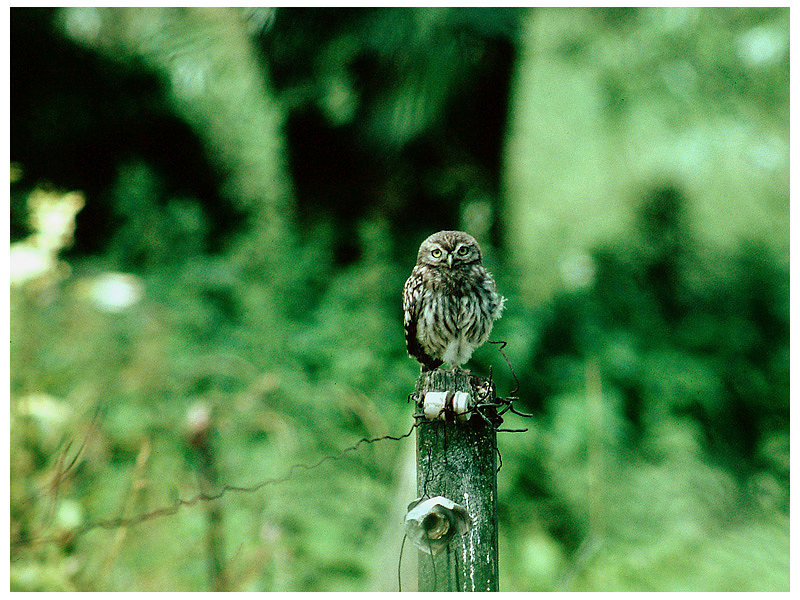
{"x":69,"y":514}
{"x":29,"y":262}
{"x":48,"y":413}
{"x":52,"y":219}
{"x":115,"y":292}
{"x":44,"y":407}
{"x":762,"y":45}
{"x":198,"y":423}
{"x":82,"y":23}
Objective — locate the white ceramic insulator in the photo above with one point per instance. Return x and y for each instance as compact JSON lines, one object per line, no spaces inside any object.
{"x":433,"y":405}
{"x":461,"y":405}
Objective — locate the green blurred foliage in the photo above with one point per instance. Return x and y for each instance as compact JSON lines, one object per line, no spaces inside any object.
{"x":263,"y":177}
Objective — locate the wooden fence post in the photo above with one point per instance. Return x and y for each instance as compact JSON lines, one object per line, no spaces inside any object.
{"x":457,"y":459}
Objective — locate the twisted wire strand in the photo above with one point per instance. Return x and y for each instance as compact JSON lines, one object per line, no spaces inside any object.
{"x":201,"y":497}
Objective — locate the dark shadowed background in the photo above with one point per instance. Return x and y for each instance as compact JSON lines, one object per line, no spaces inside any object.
{"x":213,"y":212}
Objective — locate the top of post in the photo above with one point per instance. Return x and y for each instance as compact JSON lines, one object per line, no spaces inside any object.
{"x":454,"y":394}
{"x":440,"y":380}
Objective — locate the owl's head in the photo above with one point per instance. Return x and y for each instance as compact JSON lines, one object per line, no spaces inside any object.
{"x":449,"y":249}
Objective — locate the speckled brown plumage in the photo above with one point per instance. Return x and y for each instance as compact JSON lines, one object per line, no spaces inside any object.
{"x":450,"y":301}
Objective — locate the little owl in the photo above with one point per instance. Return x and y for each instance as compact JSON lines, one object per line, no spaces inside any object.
{"x":450,"y":301}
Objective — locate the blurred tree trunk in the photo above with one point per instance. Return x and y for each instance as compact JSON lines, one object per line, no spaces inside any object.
{"x":556,"y":176}
{"x":217,"y":83}
{"x":597,"y":126}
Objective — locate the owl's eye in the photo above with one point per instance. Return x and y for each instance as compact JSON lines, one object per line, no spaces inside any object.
{"x":436,"y":252}
{"x":462,"y":251}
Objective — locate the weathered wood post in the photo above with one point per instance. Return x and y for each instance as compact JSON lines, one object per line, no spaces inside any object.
{"x":457,"y":459}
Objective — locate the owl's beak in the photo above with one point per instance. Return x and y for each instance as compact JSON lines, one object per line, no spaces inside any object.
{"x":450,"y":260}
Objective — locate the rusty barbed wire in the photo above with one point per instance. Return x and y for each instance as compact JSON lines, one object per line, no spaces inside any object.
{"x":164,"y":511}
{"x":485,"y":392}
{"x":504,"y":404}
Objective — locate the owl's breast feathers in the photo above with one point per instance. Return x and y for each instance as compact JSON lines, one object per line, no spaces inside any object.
{"x":427,"y":295}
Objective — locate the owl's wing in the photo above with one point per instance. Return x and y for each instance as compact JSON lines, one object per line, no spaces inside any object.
{"x":412,"y":305}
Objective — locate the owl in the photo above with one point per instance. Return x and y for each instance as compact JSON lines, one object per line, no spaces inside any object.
{"x":450,"y":301}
